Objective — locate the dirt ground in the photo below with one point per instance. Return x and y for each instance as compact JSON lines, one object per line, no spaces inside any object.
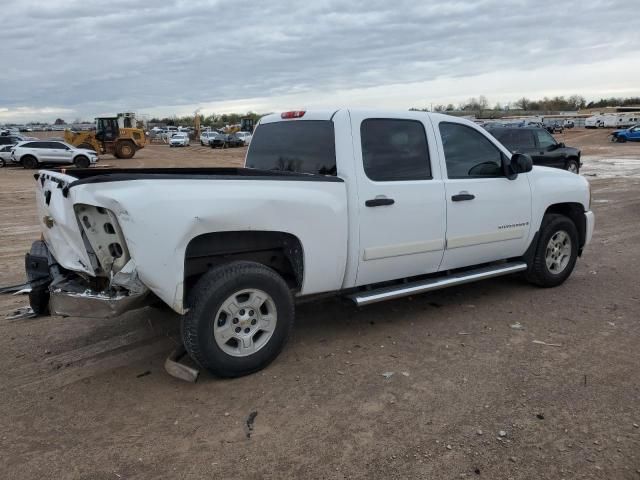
{"x":470,"y":396}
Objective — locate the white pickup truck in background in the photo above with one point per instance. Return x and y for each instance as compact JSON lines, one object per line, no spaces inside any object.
{"x":367,"y":204}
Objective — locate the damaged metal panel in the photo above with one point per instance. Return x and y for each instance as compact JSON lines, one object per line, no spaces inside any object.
{"x":104,"y":236}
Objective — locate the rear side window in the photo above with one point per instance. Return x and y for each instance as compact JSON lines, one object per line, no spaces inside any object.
{"x":33,"y":145}
{"x":394,"y":150}
{"x":305,"y":146}
{"x":515,"y":139}
{"x":468,"y":153}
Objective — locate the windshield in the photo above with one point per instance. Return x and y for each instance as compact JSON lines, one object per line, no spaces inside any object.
{"x":305,"y":146}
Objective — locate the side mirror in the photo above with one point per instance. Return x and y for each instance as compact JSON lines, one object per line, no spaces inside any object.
{"x":520,"y":163}
{"x":561,"y":145}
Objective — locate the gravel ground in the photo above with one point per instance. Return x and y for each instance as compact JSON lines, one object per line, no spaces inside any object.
{"x":440,"y":386}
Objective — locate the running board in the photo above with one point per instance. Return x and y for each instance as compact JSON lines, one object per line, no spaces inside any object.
{"x":421,"y":286}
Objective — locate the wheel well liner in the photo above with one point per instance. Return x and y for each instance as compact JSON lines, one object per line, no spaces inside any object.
{"x":575,"y":211}
{"x":278,"y":250}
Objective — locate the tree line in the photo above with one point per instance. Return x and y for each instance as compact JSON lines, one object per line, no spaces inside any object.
{"x":547,"y":104}
{"x":214,"y":120}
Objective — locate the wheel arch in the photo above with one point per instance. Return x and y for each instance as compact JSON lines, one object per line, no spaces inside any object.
{"x":280,"y":251}
{"x":575,"y":212}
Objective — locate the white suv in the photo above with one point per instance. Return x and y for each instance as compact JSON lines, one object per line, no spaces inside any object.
{"x":245,"y":137}
{"x":31,"y":154}
{"x":206,"y":137}
{"x":179,"y":140}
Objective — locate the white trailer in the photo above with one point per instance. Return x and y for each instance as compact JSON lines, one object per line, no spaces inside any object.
{"x":628,"y":119}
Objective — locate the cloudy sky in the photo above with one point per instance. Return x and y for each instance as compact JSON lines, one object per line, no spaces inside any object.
{"x":79,"y":59}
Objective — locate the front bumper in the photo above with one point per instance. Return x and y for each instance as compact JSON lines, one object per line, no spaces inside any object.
{"x":71,"y":295}
{"x":66,"y":300}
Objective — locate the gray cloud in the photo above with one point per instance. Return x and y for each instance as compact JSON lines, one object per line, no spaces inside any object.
{"x":94,"y":56}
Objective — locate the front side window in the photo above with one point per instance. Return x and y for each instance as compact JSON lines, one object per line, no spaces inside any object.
{"x":544,"y":139}
{"x":394,"y":150}
{"x":468,"y":153}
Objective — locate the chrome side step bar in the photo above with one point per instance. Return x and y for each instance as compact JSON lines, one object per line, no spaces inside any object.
{"x":421,"y":286}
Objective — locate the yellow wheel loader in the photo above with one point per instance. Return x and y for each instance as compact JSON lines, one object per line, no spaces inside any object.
{"x":108,"y":138}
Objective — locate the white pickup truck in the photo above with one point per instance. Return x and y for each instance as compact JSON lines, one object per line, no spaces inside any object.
{"x":370,"y":205}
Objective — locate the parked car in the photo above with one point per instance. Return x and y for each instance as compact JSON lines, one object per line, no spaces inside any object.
{"x":540,"y":145}
{"x":206,"y":136}
{"x":245,"y":137}
{"x":555,"y":127}
{"x":5,"y":155}
{"x":179,"y":140}
{"x":631,"y":134}
{"x":568,"y":123}
{"x":372,"y":206}
{"x":32,"y":154}
{"x":226,"y":140}
{"x":11,"y":139}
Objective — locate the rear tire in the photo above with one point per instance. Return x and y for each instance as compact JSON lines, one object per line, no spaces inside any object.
{"x":556,"y":252}
{"x":39,"y":295}
{"x":125,"y":149}
{"x":81,"y":162}
{"x":29,"y":161}
{"x":239,"y":319}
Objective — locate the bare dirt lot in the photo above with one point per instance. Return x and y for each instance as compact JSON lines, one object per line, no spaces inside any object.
{"x":470,"y":396}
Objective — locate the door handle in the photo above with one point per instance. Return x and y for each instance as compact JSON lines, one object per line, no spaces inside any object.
{"x":462,"y":196}
{"x":379,"y":202}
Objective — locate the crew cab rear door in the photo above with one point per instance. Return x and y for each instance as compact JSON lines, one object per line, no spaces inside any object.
{"x":488,"y":215}
{"x":400,"y":197}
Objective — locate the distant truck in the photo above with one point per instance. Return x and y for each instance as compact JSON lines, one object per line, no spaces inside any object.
{"x":369,"y":205}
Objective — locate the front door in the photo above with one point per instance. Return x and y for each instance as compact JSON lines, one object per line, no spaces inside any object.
{"x":548,"y":151}
{"x":400,"y":197}
{"x":488,"y":215}
{"x":58,"y":153}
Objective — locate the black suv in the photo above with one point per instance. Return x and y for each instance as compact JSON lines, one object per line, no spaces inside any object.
{"x":540,"y":146}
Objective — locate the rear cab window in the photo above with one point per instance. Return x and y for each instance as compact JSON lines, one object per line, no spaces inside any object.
{"x":394,"y":150}
{"x":303,"y":146}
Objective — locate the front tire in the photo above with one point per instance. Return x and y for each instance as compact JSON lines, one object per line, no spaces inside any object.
{"x":125,"y":149}
{"x":239,"y":319}
{"x":621,"y":139}
{"x":556,"y":252}
{"x":81,"y":162}
{"x":572,"y":166}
